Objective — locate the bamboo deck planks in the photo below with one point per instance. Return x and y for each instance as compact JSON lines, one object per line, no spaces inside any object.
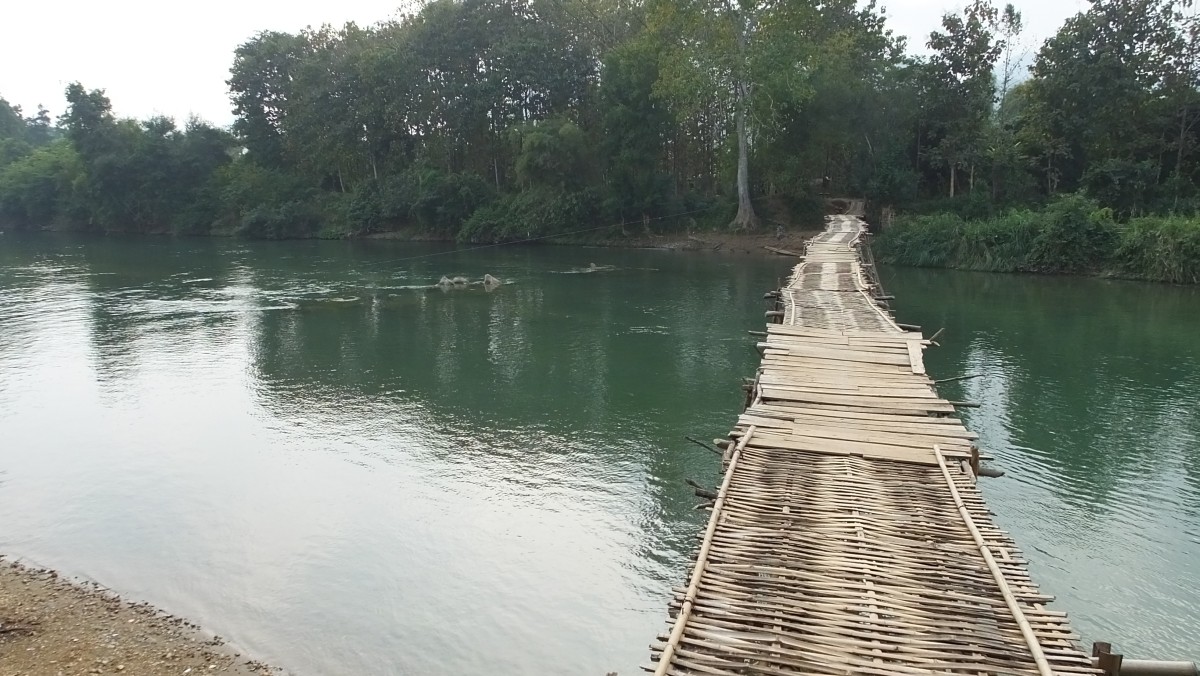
{"x":847,"y":537}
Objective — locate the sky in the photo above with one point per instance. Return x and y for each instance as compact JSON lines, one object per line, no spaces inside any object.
{"x":162,"y":58}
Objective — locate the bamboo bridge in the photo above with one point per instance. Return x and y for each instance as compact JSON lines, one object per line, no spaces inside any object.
{"x":847,"y":535}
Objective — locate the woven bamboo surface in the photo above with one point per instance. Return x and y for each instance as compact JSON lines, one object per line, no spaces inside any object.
{"x":848,"y":536}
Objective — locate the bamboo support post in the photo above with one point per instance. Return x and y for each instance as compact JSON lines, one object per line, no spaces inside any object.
{"x":950,"y":380}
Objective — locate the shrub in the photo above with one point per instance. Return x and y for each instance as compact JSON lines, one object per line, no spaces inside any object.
{"x":1001,"y":244}
{"x":280,"y":221}
{"x":922,"y":241}
{"x":428,"y":198}
{"x":1070,"y":235}
{"x":1161,"y":249}
{"x":536,"y":212}
{"x":1074,"y":235}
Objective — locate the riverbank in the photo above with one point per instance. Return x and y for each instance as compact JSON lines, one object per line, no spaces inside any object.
{"x":50,"y":626}
{"x":707,"y":241}
{"x":1072,"y":235}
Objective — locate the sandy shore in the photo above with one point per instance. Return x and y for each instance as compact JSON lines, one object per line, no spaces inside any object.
{"x":55,"y":627}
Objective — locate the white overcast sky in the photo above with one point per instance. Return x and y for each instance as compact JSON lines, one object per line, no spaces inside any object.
{"x":154,"y":57}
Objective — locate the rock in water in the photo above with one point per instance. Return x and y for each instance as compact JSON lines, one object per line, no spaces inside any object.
{"x":489,"y":280}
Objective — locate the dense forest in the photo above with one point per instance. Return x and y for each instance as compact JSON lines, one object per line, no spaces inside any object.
{"x":493,"y":120}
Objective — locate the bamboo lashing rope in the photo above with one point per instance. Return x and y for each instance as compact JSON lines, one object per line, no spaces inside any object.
{"x":1035,"y":646}
{"x":689,"y":596}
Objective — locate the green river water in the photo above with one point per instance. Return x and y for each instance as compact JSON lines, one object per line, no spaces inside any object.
{"x":340,"y":472}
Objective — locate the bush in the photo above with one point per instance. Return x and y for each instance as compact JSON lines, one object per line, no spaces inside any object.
{"x":255,"y":201}
{"x":1000,"y":244}
{"x":536,"y":212}
{"x":280,"y":221}
{"x":1127,"y":187}
{"x":1070,"y":235}
{"x":42,"y":189}
{"x":1161,"y":249}
{"x":922,"y":241}
{"x":431,"y":199}
{"x":1074,"y":235}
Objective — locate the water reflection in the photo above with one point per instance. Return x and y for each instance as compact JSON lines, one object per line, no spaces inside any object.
{"x":346,"y":474}
{"x":1090,"y":393}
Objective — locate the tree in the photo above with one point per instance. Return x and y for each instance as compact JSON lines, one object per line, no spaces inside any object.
{"x":12,"y":125}
{"x":1009,"y":27}
{"x":39,"y":190}
{"x":1099,"y":86}
{"x":260,"y":85}
{"x":743,"y":60}
{"x":635,"y":127}
{"x":962,"y":85}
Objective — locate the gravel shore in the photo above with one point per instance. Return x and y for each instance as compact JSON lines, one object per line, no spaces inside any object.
{"x":54,"y":627}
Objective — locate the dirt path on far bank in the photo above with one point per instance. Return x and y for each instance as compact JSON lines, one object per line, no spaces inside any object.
{"x":710,"y":241}
{"x":718,"y":242}
{"x":53,"y":627}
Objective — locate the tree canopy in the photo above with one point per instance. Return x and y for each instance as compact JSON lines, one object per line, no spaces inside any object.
{"x":505,"y":119}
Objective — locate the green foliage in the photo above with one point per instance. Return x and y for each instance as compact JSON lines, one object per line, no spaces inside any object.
{"x":551,"y":154}
{"x":498,"y":120}
{"x":11,"y":123}
{"x":970,"y":206}
{"x":281,"y":220}
{"x":430,"y":199}
{"x":1125,"y":186}
{"x":1074,"y":235}
{"x":20,"y":136}
{"x":42,"y":189}
{"x":537,"y":212}
{"x":1071,"y":235}
{"x":246,"y":188}
{"x":1161,"y":249}
{"x":634,"y":129}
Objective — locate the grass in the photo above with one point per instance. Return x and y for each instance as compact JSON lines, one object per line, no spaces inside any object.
{"x":1071,"y":235}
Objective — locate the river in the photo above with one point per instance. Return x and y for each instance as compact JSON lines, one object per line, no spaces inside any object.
{"x":340,"y":472}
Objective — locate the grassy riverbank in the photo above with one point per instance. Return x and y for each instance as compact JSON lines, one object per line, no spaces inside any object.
{"x":1072,"y":235}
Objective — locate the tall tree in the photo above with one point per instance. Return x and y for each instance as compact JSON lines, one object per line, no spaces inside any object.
{"x":962,"y":91}
{"x":260,"y":85}
{"x":1100,"y":80}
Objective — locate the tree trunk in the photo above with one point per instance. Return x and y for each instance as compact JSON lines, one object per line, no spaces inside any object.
{"x":971,"y":183}
{"x":1179,"y":154}
{"x":746,"y":218}
{"x":917,"y":157}
{"x":953,"y":175}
